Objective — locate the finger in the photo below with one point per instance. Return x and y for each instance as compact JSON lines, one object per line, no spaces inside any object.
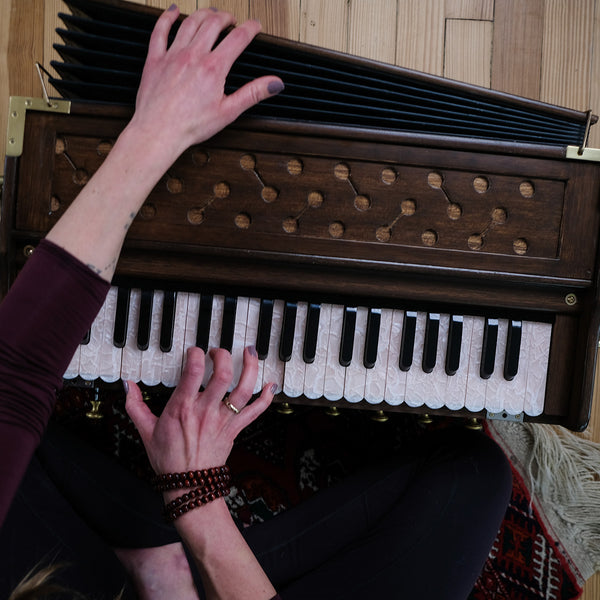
{"x":190,"y":27}
{"x":250,"y":94}
{"x":142,"y":417}
{"x":160,"y":34}
{"x":191,"y":376}
{"x":211,"y":28}
{"x":254,"y":410}
{"x":243,"y":391}
{"x":222,"y":374}
{"x":236,"y":41}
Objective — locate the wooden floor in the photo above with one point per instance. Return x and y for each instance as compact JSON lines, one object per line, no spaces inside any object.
{"x":542,"y":49}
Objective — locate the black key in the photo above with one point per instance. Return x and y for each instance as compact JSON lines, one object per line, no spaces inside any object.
{"x":228,"y":323}
{"x":286,"y":340}
{"x":309,"y":349}
{"x":454,"y":344}
{"x":372,"y":341}
{"x":204,"y":320}
{"x":167,"y":323}
{"x":513,"y":349}
{"x":265,"y":318}
{"x":407,"y":344}
{"x":488,"y":352}
{"x":430,"y":344}
{"x":121,"y":317}
{"x":347,"y":340}
{"x":145,"y":319}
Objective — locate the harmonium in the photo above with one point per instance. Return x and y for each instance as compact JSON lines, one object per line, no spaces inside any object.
{"x":386,"y":239}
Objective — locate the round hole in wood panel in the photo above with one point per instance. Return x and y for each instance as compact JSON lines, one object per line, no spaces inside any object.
{"x":290,"y":225}
{"x":341,"y":171}
{"x":336,"y":229}
{"x":195,"y":216}
{"x":435,"y":180}
{"x":499,"y":216}
{"x":242,"y":221}
{"x":454,"y":211}
{"x":295,"y":166}
{"x":388,"y":176}
{"x":315,"y":199}
{"x":362,"y":202}
{"x":383,"y":234}
{"x":481,"y":184}
{"x":175,"y":185}
{"x":60,"y":145}
{"x":248,"y":162}
{"x":80,"y":177}
{"x":475,"y":241}
{"x":526,"y":189}
{"x":54,"y":203}
{"x":147,"y":212}
{"x":520,"y":246}
{"x":104,"y":147}
{"x":269,"y":194}
{"x":200,"y":157}
{"x":408,"y":206}
{"x":221,"y":189}
{"x":429,"y":237}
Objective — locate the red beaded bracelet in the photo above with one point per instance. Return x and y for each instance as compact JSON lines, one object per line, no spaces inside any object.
{"x":182,"y":507}
{"x":190,"y":479}
{"x":196,"y":493}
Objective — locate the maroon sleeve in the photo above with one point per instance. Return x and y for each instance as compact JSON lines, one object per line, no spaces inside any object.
{"x":43,"y":318}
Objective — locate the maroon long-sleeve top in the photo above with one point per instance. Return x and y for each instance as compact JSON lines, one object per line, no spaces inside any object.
{"x":43,"y":318}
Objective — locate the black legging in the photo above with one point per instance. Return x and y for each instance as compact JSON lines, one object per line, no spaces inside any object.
{"x":420,"y":526}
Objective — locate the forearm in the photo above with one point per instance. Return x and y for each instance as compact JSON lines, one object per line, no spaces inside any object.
{"x":228,"y":567}
{"x":94,"y":227}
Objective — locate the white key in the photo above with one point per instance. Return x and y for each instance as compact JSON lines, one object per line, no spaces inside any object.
{"x":436,"y":398}
{"x":315,"y":372}
{"x":376,"y":376}
{"x":251,"y":335}
{"x":356,"y":372}
{"x":152,"y":357}
{"x":172,"y":361}
{"x":456,"y":385}
{"x":214,"y":336}
{"x":239,"y":340}
{"x":88,"y":362}
{"x":334,"y":372}
{"x":131,"y":362}
{"x":540,"y":336}
{"x":273,"y":367}
{"x":395,"y":380}
{"x":495,"y":388}
{"x":416,"y":384}
{"x":476,"y":386}
{"x":294,"y":369}
{"x":191,"y":324}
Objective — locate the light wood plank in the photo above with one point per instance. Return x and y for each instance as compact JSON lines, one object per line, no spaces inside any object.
{"x":517,"y":47}
{"x":240,"y":9}
{"x":372,"y":29}
{"x":5,"y":9}
{"x":186,"y":7}
{"x":420,"y":35}
{"x":325,"y":24}
{"x":468,"y":53}
{"x":281,"y":17}
{"x":479,"y":10}
{"x":566,"y":58}
{"x":594,"y":140}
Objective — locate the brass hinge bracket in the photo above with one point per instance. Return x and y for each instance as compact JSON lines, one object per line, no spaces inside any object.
{"x":591,"y":154}
{"x":17,"y":109}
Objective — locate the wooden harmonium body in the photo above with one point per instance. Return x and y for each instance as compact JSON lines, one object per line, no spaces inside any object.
{"x":401,"y":268}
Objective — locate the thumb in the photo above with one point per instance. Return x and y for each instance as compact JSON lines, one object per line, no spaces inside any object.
{"x":138,"y":411}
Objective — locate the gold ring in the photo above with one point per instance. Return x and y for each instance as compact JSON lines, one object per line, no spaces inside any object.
{"x":230,"y":406}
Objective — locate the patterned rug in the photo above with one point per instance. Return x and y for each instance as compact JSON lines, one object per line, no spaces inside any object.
{"x":283,"y":459}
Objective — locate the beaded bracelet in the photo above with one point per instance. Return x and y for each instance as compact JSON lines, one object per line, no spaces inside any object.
{"x":190,"y":479}
{"x":197,"y":493}
{"x":195,"y":503}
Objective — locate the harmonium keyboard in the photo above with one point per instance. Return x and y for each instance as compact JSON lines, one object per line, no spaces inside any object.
{"x":385,"y":238}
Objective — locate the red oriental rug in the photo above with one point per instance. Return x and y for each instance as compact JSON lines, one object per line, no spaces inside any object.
{"x":283,"y":459}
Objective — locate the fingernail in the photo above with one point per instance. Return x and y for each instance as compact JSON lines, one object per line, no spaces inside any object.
{"x":126,"y":386}
{"x":252,"y":350}
{"x":172,"y":7}
{"x":214,"y":9}
{"x":273,"y":388}
{"x":275,"y":87}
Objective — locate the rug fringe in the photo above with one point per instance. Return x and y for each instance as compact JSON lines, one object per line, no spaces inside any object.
{"x":562,"y":470}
